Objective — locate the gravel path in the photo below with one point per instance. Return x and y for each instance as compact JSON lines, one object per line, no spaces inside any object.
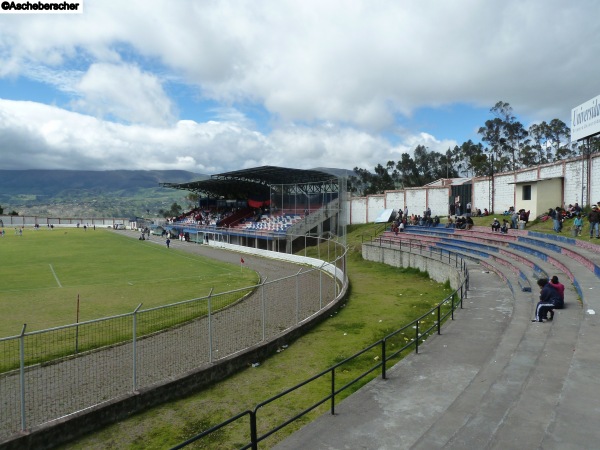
{"x":58,"y":389}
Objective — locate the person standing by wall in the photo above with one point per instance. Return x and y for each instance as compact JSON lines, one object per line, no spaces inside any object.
{"x":594,"y":218}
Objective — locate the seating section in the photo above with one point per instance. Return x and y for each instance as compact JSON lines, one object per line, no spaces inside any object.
{"x":275,"y":223}
{"x":547,"y":371}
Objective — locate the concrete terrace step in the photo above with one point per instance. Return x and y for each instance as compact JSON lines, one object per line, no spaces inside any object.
{"x":486,"y":256}
{"x":396,"y":412}
{"x":491,"y":380}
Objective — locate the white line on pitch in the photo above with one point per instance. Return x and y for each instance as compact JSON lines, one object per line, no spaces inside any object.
{"x":55,"y":277}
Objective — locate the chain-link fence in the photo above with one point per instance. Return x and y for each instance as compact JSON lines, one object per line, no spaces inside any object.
{"x":49,"y":374}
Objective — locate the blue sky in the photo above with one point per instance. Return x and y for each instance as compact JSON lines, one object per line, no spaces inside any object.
{"x":212,"y":86}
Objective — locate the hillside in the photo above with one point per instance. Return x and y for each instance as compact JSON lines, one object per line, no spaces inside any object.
{"x":71,"y":193}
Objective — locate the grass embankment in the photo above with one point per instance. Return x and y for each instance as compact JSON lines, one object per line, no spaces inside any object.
{"x":381,"y":299}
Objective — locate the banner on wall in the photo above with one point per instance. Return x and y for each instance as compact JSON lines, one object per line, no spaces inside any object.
{"x":258,"y":203}
{"x":385,"y":216}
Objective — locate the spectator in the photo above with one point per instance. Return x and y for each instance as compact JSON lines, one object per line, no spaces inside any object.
{"x":524,"y":217}
{"x":495,"y":225}
{"x":514,"y":220}
{"x":560,"y":288}
{"x":554,"y":214}
{"x":504,"y":228}
{"x":548,"y":297}
{"x":450,"y":222}
{"x":469,"y":223}
{"x":594,"y":218}
{"x":577,"y":225}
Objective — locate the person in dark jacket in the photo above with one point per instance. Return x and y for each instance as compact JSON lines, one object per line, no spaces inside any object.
{"x":549,"y":296}
{"x":594,"y":218}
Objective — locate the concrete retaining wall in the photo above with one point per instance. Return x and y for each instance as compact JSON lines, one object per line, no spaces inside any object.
{"x":438,"y":270}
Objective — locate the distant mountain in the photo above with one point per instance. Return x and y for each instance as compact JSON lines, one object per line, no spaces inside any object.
{"x":112,"y":193}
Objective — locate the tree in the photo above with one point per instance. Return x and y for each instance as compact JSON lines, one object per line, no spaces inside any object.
{"x":470,"y":158}
{"x":175,"y":211}
{"x":539,"y":133}
{"x":492,"y":133}
{"x":408,"y":170}
{"x":193,"y":198}
{"x":516,"y":138}
{"x":559,"y":132}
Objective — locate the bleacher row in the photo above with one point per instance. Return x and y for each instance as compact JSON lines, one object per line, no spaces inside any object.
{"x":275,"y":223}
{"x":539,"y":388}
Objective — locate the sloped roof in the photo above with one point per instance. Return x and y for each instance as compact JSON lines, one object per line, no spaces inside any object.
{"x":239,"y":183}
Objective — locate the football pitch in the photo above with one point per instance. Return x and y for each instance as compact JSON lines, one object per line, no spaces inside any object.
{"x":54,"y":277}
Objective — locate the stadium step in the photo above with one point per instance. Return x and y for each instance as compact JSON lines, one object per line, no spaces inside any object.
{"x":492,"y":380}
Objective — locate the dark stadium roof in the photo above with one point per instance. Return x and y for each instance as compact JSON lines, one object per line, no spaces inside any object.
{"x":239,"y":183}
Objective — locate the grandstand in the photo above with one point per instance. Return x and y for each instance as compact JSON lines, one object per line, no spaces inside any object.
{"x":265,"y":207}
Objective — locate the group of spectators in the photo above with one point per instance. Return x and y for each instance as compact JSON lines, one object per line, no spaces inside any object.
{"x":575,"y":212}
{"x":518,"y":219}
{"x":199,"y":216}
{"x":459,"y":222}
{"x":552,"y":296}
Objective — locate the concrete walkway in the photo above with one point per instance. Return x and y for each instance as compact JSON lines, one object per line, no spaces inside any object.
{"x":492,"y":380}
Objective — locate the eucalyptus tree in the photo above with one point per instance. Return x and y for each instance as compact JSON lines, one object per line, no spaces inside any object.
{"x":408,"y":171}
{"x":493,"y":134}
{"x":559,"y":135}
{"x":469,"y":158}
{"x":539,"y":133}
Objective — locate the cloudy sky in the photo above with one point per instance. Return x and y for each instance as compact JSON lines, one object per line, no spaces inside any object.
{"x":215,"y":85}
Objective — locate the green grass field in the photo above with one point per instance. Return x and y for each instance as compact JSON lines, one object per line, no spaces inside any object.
{"x":44,"y":272}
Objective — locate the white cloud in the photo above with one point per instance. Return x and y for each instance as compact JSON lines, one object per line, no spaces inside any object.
{"x":355,"y":66}
{"x":41,"y":136}
{"x":123,"y":92}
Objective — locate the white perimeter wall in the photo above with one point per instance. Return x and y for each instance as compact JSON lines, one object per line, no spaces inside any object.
{"x":595,"y":179}
{"x":504,"y":190}
{"x":375,"y":204}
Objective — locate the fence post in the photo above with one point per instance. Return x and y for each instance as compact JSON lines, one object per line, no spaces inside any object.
{"x":383,"y":361}
{"x":321,"y":286}
{"x":210,"y":332}
{"x":253,"y":431}
{"x":298,"y":297}
{"x":439,"y":321}
{"x":134,"y":345}
{"x":264,"y":311}
{"x":22,"y":377}
{"x":417,"y":338}
{"x":333,"y":391}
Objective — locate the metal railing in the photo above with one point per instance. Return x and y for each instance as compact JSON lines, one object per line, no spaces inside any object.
{"x":388,"y":349}
{"x":53,"y":373}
